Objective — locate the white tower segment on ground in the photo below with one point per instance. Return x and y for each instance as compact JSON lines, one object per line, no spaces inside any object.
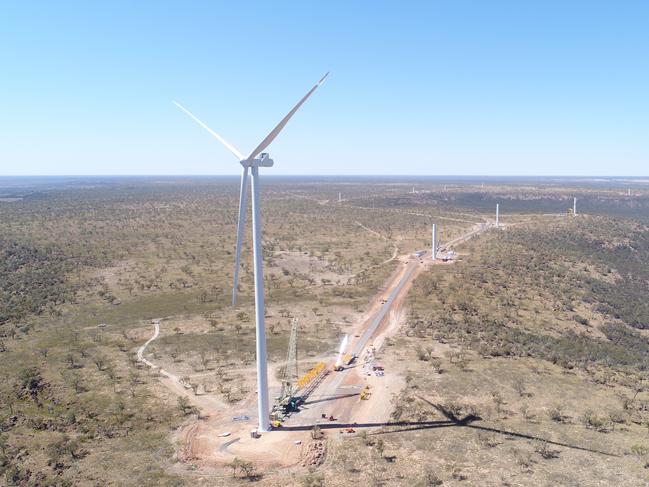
{"x":574,"y":207}
{"x":341,"y":352}
{"x":497,"y":214}
{"x":253,"y":162}
{"x":434,"y":242}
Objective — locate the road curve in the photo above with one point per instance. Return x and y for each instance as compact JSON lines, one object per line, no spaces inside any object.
{"x":140,"y":351}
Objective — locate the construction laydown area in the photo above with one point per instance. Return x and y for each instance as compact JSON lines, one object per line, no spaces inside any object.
{"x":342,"y":394}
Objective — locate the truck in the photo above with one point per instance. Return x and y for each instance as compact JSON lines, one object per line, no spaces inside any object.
{"x":347,"y":360}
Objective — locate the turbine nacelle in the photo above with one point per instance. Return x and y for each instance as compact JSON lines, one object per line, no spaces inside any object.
{"x":263,"y":160}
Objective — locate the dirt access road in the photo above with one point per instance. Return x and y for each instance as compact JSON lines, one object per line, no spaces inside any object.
{"x":219,"y":437}
{"x":339,"y":394}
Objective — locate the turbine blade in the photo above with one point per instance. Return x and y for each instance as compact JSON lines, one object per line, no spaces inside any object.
{"x":227,"y":144}
{"x":243,"y":193}
{"x":271,"y":136}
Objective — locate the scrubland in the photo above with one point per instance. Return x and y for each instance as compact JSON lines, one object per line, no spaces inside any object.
{"x":525,"y":361}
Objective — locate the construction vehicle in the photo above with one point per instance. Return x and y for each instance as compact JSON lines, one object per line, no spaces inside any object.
{"x":289,"y":401}
{"x":347,"y":360}
{"x":276,"y":423}
{"x":365,"y":395}
{"x":290,"y":376}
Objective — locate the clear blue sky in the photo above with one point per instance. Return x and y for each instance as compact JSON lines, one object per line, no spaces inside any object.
{"x":435,"y":87}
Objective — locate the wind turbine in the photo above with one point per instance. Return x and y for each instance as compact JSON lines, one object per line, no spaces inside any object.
{"x":254,"y":161}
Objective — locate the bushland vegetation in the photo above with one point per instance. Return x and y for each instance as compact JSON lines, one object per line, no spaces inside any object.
{"x":85,"y":268}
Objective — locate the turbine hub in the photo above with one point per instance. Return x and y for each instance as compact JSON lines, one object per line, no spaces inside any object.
{"x":262,"y":161}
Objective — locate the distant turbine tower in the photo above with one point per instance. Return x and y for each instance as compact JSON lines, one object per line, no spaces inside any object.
{"x":628,"y":192}
{"x":574,"y":207}
{"x":340,"y":197}
{"x":434,"y":243}
{"x":254,"y":161}
{"x":413,"y":190}
{"x":497,"y":214}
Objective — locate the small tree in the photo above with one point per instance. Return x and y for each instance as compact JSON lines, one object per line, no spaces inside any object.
{"x":519,"y":387}
{"x":312,"y":480}
{"x":234,"y":465}
{"x":205,"y":360}
{"x":498,"y":401}
{"x":120,"y":413}
{"x":186,"y":408}
{"x":10,"y":400}
{"x":100,"y":362}
{"x":556,"y":413}
{"x":430,"y":479}
{"x":3,"y":443}
{"x":316,"y":433}
{"x":380,"y":447}
{"x":248,"y":469}
{"x":183,"y":404}
{"x":69,"y":358}
{"x":133,"y":382}
{"x":112,"y":375}
{"x":76,"y":381}
{"x":63,"y":447}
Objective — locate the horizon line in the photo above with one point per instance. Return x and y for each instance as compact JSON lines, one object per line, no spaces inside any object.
{"x":591,"y":176}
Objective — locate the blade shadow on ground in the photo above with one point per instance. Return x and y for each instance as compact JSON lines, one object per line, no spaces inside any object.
{"x":451,"y":421}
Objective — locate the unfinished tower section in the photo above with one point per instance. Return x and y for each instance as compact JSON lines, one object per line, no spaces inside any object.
{"x":433,"y":250}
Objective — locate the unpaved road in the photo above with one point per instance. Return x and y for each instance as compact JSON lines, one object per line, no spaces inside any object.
{"x":395,"y":250}
{"x":140,"y":351}
{"x":337,"y":395}
{"x":173,"y":383}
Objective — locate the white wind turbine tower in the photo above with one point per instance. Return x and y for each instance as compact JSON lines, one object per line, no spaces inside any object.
{"x":254,"y":161}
